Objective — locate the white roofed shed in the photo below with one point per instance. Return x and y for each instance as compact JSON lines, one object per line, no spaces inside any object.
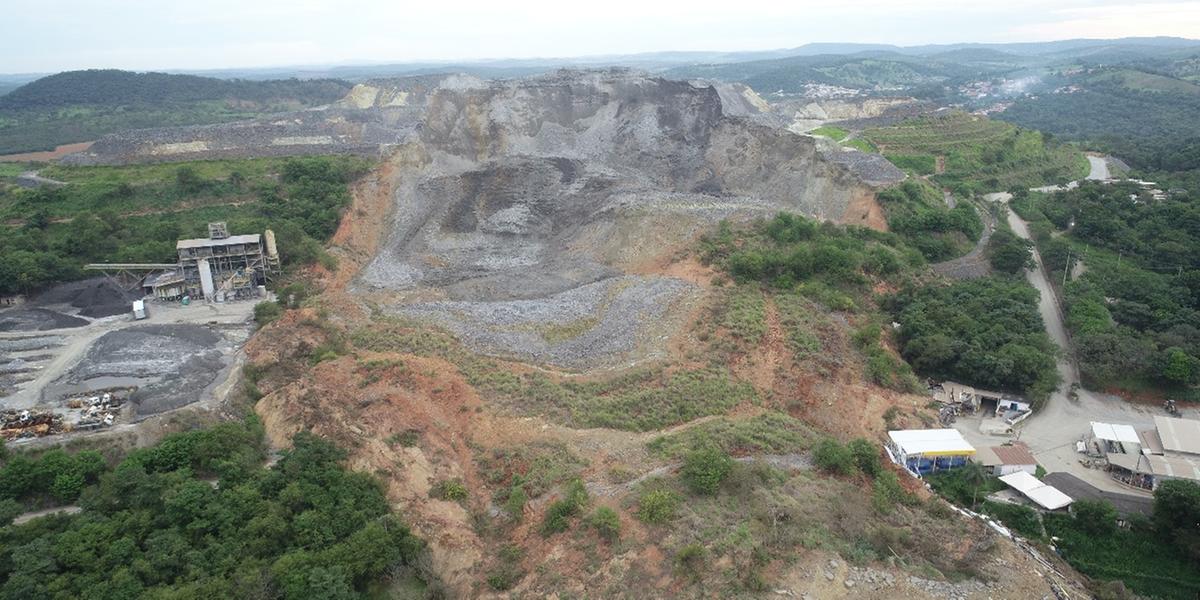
{"x":1045,"y":496}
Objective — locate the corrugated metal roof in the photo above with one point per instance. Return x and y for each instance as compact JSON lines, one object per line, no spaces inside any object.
{"x":252,"y":238}
{"x":1151,"y":442}
{"x":1048,"y":497}
{"x":931,"y":441}
{"x":1175,"y":466}
{"x":1115,"y":433}
{"x":1179,"y":435}
{"x":1130,"y":462}
{"x":986,"y":457}
{"x":1016,"y":454}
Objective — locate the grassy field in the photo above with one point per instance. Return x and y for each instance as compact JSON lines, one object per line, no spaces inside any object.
{"x":837,"y":134}
{"x":861,"y":145}
{"x":981,"y":155}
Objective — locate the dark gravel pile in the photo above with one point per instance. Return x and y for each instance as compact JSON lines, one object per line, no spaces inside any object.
{"x":93,"y":297}
{"x":37,"y":319}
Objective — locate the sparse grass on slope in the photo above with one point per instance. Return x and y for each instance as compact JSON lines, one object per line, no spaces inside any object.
{"x":639,"y":400}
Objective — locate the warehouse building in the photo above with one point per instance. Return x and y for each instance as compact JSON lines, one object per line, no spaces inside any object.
{"x":1169,"y":451}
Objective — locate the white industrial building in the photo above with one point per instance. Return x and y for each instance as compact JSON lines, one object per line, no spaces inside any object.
{"x":1144,"y":459}
{"x":924,"y":451}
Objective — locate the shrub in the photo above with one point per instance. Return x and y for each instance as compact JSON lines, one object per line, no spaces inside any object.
{"x":514,"y":505}
{"x":606,"y":523}
{"x":266,"y":312}
{"x":830,"y":455}
{"x":866,"y":456}
{"x":704,"y":469}
{"x":657,"y":506}
{"x":886,"y":492}
{"x":558,"y":516}
{"x":407,"y":438}
{"x":690,"y":559}
{"x":505,"y":575}
{"x":451,"y":489}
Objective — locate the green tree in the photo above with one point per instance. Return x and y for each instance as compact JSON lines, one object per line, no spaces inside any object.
{"x":1180,"y":367}
{"x":1097,"y":517}
{"x":1177,"y":515}
{"x":704,"y":469}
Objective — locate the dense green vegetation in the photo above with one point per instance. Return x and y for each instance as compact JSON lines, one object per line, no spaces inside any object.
{"x":837,"y":134}
{"x":791,"y":250}
{"x":136,"y":213}
{"x":197,"y":516}
{"x":918,"y":213}
{"x":1158,"y":558}
{"x":985,"y":332}
{"x":1134,"y":315}
{"x":920,"y":76}
{"x":78,"y":106}
{"x":835,"y":266}
{"x":1009,"y":253}
{"x":1139,"y":115}
{"x":981,"y":155}
{"x":54,"y":478}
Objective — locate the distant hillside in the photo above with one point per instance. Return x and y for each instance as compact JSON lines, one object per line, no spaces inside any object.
{"x":935,"y":71}
{"x":871,"y":70}
{"x":119,"y":88}
{"x":79,"y":106}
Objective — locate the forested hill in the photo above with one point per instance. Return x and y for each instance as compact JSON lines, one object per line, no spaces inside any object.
{"x":111,"y":87}
{"x":78,"y":106}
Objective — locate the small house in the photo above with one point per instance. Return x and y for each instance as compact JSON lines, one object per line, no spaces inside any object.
{"x":1006,"y":459}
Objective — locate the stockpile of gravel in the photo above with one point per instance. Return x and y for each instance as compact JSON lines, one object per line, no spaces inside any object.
{"x":37,"y":319}
{"x":93,"y":297}
{"x":172,"y":364}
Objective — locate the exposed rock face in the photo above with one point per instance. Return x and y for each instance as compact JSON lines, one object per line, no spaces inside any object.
{"x":520,"y":187}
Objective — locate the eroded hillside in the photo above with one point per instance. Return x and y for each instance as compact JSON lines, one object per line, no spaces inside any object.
{"x":521,"y":340}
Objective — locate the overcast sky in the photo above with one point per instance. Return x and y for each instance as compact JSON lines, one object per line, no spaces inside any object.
{"x":55,"y":35}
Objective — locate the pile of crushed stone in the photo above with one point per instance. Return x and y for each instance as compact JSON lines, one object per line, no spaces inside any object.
{"x":94,"y":298}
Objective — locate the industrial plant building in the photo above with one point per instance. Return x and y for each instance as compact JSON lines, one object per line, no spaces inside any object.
{"x":216,"y":268}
